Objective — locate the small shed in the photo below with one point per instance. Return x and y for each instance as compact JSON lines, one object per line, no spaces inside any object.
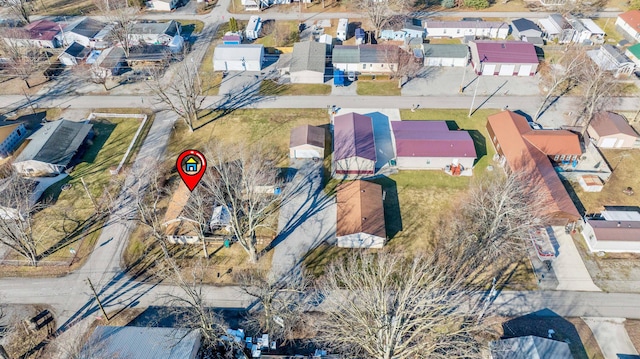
{"x":611,"y":130}
{"x":110,"y":62}
{"x":74,"y":54}
{"x":254,"y":27}
{"x":591,"y":183}
{"x":306,"y":142}
{"x":245,"y":57}
{"x":360,"y":36}
{"x":343,"y":27}
{"x":446,"y":55}
{"x":231,"y":39}
{"x":525,"y":28}
{"x":360,"y":215}
{"x":308,"y":62}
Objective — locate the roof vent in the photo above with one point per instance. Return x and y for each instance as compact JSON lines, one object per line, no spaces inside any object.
{"x":364,"y":218}
{"x":503,"y":46}
{"x":619,"y":224}
{"x":362,"y":190}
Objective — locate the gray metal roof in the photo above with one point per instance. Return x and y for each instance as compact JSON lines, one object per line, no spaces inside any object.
{"x":529,"y":347}
{"x":76,"y":50}
{"x":86,"y":27}
{"x":378,"y":54}
{"x":170,"y":28}
{"x":56,"y":142}
{"x":250,"y":52}
{"x":141,"y":343}
{"x":445,"y":50}
{"x":110,"y":58}
{"x":343,"y":54}
{"x":308,"y":55}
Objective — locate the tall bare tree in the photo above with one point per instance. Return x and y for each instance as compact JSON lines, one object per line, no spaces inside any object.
{"x":122,"y":17}
{"x":19,"y":8}
{"x":198,"y":212}
{"x":561,"y":76}
{"x":581,"y":8}
{"x":240,"y":178}
{"x":598,"y":87}
{"x":25,"y":58}
{"x":384,"y":306}
{"x":380,"y":12}
{"x":17,"y":210}
{"x":183,"y":94}
{"x":402,"y":64}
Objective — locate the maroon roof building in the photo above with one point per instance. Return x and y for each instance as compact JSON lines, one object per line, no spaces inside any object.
{"x":431,"y":145}
{"x":41,"y":33}
{"x":354,"y":149}
{"x":503,"y":58}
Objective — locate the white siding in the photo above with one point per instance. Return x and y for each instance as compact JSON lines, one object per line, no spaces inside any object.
{"x":158,"y":5}
{"x":354,"y":164}
{"x":360,"y":240}
{"x":488,"y":69}
{"x":494,"y":33}
{"x":446,"y":61}
{"x":525,"y":70}
{"x":70,"y":37}
{"x":306,"y":151}
{"x":31,"y":168}
{"x":507,"y":70}
{"x":431,"y":163}
{"x":346,"y":67}
{"x":307,"y":77}
{"x":628,"y":29}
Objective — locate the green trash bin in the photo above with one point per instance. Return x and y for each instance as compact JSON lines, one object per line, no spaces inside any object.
{"x":227,"y":243}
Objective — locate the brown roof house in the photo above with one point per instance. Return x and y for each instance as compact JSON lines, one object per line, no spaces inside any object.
{"x":611,"y":130}
{"x":613,"y":231}
{"x":306,"y":142}
{"x":354,"y":149}
{"x":522,"y":149}
{"x":360,"y":215}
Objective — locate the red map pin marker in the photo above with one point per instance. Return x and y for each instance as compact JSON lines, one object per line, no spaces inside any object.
{"x":191,"y":165}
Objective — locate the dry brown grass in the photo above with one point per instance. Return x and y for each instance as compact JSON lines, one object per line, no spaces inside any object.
{"x":588,"y":339}
{"x":66,"y":7}
{"x":633,"y":329}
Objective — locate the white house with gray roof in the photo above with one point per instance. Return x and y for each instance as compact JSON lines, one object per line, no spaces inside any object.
{"x":82,"y":31}
{"x":308,"y":63}
{"x":460,"y":29}
{"x":51,"y":148}
{"x":245,"y":57}
{"x":608,"y":58}
{"x":154,"y":33}
{"x":445,"y":55}
{"x":366,"y":59}
{"x":529,"y":347}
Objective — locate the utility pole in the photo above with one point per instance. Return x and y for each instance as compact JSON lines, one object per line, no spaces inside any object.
{"x":95,"y":295}
{"x":473,"y":101}
{"x":95,"y":205}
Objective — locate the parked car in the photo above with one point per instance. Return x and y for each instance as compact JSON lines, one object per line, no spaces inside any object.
{"x":351,"y":76}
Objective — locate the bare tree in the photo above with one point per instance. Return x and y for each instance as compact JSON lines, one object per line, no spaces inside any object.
{"x":402,"y":64}
{"x":17,"y":210}
{"x":581,"y":8}
{"x":198,"y":212}
{"x":282,"y":302}
{"x":381,"y":12}
{"x":598,"y":86}
{"x":183,"y":94}
{"x":242,"y":179}
{"x":560,"y":77}
{"x":25,"y":58}
{"x":19,"y":8}
{"x":384,"y":306}
{"x":122,"y":17}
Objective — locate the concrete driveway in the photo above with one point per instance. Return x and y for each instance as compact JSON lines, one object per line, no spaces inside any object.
{"x":307,"y":218}
{"x":235,"y":81}
{"x":568,"y":265}
{"x":612,"y":337}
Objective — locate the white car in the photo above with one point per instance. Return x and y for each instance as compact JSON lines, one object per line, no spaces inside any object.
{"x":351,"y":76}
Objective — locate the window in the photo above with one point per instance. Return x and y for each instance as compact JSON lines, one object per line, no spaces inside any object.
{"x":391,"y":66}
{"x":458,"y":31}
{"x":556,"y":157}
{"x":364,"y":66}
{"x":444,"y":31}
{"x":562,"y":158}
{"x":428,"y":162}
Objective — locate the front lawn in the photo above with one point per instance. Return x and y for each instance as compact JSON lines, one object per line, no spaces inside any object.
{"x":272,"y":88}
{"x":378,"y":88}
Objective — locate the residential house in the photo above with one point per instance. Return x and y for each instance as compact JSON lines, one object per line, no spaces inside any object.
{"x":142,"y":343}
{"x":413,"y":29}
{"x":503,"y":58}
{"x":525,"y":29}
{"x":633,"y":53}
{"x":460,"y":29}
{"x":366,"y":59}
{"x":581,"y":34}
{"x":52,"y":147}
{"x":162,"y":5}
{"x":254,"y":27}
{"x":445,"y":55}
{"x":354,"y":150}
{"x":306,"y":142}
{"x":82,"y":31}
{"x":529,"y":347}
{"x":308,"y":63}
{"x":608,"y":58}
{"x":613,"y":231}
{"x":40,"y":33}
{"x":154,"y":33}
{"x":10,"y":137}
{"x":245,"y":57}
{"x":431,"y":145}
{"x":611,"y":130}
{"x":74,"y":54}
{"x":360,"y":215}
{"x":557,"y":28}
{"x":148,"y":54}
{"x":597,"y":34}
{"x":110,"y":62}
{"x":251,"y":5}
{"x":628,"y":24}
{"x":175,"y":230}
{"x":519,"y":149}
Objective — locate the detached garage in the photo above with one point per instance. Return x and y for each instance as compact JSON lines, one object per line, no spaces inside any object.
{"x":445,"y":55}
{"x":611,"y":130}
{"x":306,"y":142}
{"x":503,"y":58}
{"x":238,"y":57}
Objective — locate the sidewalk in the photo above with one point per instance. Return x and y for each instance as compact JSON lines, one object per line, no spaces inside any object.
{"x":568,"y":265}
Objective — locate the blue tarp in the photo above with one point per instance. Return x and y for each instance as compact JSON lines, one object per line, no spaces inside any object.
{"x":338,"y":78}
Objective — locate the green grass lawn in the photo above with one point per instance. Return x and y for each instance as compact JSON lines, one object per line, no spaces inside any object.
{"x":279,"y":34}
{"x":378,"y":88}
{"x":609,"y":27}
{"x":191,"y":26}
{"x":270,"y":87}
{"x":210,"y":79}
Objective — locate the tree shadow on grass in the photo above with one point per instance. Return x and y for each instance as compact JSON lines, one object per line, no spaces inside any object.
{"x":102,"y":131}
{"x":479,"y":141}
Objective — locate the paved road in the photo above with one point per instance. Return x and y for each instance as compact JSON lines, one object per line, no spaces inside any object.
{"x":307,"y":218}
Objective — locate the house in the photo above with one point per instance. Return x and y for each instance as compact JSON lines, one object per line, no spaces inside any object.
{"x":369,"y":59}
{"x":520,"y":149}
{"x":431,"y":145}
{"x":529,"y":347}
{"x":613,"y":231}
{"x":10,"y":137}
{"x":110,"y":62}
{"x":354,"y":150}
{"x":523,"y":29}
{"x":154,"y":33}
{"x":360,"y":215}
{"x":342,"y":30}
{"x":74,"y":54}
{"x":597,"y":34}
{"x":308,"y":63}
{"x":148,"y":54}
{"x":413,"y":28}
{"x":445,"y":55}
{"x":581,"y":34}
{"x":611,"y":130}
{"x":162,"y":5}
{"x":460,"y":29}
{"x":245,"y":57}
{"x":253,"y":29}
{"x":82,"y":31}
{"x":142,"y":343}
{"x":628,"y":24}
{"x":40,"y":33}
{"x":503,"y":58}
{"x":556,"y":28}
{"x":633,"y":53}
{"x":306,"y":142}
{"x":51,"y":148}
{"x":608,"y":58}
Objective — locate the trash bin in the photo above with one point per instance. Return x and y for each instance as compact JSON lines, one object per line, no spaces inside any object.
{"x":227,"y":243}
